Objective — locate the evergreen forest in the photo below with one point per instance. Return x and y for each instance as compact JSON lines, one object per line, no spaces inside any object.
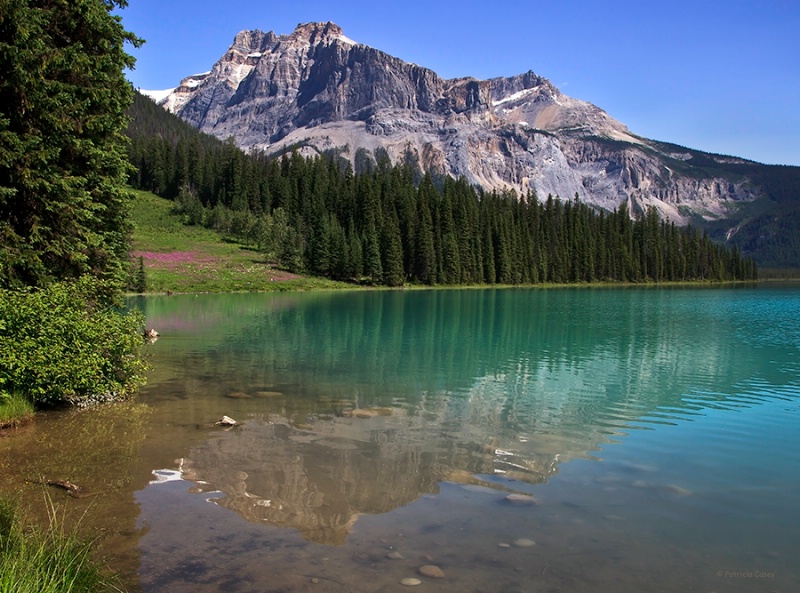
{"x":372,"y":221}
{"x":64,"y":207}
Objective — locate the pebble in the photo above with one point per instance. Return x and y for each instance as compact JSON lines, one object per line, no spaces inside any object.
{"x":268,"y":394}
{"x":410,"y":582}
{"x":524,"y":543}
{"x":369,"y":412}
{"x":521,"y":498}
{"x":431,"y":571}
{"x":677,"y":490}
{"x":503,"y":545}
{"x":394,"y":556}
{"x":477,"y":488}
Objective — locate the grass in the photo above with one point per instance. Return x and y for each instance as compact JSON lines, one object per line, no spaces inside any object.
{"x":15,"y":410}
{"x":46,"y":561}
{"x":181,"y":258}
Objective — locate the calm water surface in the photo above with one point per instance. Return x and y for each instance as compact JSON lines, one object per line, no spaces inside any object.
{"x":648,"y":438}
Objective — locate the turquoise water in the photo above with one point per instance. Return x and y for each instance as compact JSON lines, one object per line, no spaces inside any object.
{"x":646,"y":438}
{"x":649,"y":437}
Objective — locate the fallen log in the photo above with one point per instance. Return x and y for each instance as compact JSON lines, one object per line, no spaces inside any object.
{"x":72,"y":489}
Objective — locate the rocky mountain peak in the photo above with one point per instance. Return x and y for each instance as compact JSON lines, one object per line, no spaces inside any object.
{"x":253,"y":41}
{"x":318,"y":33}
{"x":318,"y":89}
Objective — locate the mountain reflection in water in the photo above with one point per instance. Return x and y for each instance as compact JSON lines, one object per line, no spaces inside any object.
{"x":646,"y":432}
{"x":319,"y":480}
{"x":391,"y":393}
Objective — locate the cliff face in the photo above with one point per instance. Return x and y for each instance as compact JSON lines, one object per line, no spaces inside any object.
{"x":319,"y":90}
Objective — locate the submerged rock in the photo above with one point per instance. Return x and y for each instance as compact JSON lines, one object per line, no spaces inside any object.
{"x":521,"y":498}
{"x":238,"y":395}
{"x":524,"y":542}
{"x":410,"y":582}
{"x":368,"y":412}
{"x":676,"y":490}
{"x":226,"y":421}
{"x":431,"y":571}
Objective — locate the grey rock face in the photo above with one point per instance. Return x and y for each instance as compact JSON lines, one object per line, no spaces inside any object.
{"x":317,"y":89}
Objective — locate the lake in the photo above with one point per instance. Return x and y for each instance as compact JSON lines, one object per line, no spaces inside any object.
{"x":520,"y":440}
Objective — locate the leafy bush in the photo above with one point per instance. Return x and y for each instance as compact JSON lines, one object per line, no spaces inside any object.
{"x":69,"y":343}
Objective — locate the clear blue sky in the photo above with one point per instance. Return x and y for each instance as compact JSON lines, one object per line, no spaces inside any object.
{"x":716,"y":75}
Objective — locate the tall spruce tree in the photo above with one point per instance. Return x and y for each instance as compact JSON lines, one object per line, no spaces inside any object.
{"x":63,"y":96}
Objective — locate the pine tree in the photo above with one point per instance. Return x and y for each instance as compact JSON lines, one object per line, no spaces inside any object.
{"x":392,"y":252}
{"x":487,"y":243}
{"x":450,"y":261}
{"x":355,"y":253}
{"x":287,"y":251}
{"x":339,"y":263}
{"x":372,"y":254}
{"x":424,"y":268}
{"x":63,"y":167}
{"x":140,"y":283}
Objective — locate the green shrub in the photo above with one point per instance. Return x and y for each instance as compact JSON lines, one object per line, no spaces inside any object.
{"x":69,"y":343}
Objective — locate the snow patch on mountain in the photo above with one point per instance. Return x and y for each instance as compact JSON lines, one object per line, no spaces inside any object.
{"x":346,"y":40}
{"x":514,"y":96}
{"x":157,"y":96}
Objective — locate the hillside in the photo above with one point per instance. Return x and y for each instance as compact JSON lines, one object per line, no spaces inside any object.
{"x":183,"y":258}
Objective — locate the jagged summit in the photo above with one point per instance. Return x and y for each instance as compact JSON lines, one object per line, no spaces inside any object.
{"x":320,"y":33}
{"x":306,"y":34}
{"x":317,"y":89}
{"x":246,"y":51}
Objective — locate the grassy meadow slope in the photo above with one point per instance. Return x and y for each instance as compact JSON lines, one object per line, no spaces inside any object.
{"x":181,"y":258}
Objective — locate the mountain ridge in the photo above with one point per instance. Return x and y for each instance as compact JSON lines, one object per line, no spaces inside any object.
{"x":318,"y":91}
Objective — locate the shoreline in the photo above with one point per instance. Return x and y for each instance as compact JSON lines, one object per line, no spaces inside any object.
{"x":415,"y":287}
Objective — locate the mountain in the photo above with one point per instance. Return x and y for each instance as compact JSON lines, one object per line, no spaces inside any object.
{"x":319,"y":91}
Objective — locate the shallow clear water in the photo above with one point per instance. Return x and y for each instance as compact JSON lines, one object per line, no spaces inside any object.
{"x":654,"y":429}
